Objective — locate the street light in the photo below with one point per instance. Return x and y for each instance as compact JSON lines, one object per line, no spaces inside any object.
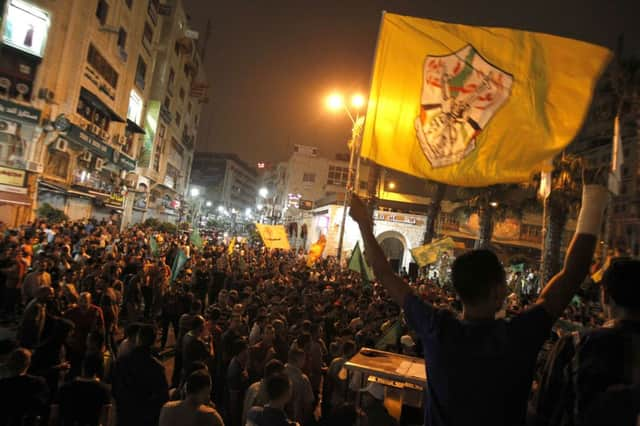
{"x":392,"y":185}
{"x":208,"y":203}
{"x":335,"y":102}
{"x":263,"y":192}
{"x":195,"y":192}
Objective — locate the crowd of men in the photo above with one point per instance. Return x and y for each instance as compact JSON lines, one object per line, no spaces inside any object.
{"x":261,"y":338}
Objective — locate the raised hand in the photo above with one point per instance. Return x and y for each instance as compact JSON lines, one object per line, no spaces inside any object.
{"x":359,"y":211}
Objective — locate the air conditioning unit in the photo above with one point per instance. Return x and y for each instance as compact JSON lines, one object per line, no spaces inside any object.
{"x":61,"y":145}
{"x":46,"y":94}
{"x":86,"y":156}
{"x":34,"y":166}
{"x":99,"y":164}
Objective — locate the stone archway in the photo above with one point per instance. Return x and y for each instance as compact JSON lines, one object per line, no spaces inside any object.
{"x":394,"y":245}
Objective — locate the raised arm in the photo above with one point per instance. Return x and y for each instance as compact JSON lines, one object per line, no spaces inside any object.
{"x":397,"y":288}
{"x":557,"y":294}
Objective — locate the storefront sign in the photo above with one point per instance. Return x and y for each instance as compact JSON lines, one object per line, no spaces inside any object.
{"x":93,"y":144}
{"x":26,"y":27}
{"x":12,"y":177}
{"x":124,"y":161}
{"x":397,"y":218}
{"x":116,"y":198}
{"x":18,"y":112}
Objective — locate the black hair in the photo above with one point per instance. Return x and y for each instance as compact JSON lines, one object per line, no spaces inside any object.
{"x":147,"y":335}
{"x":238,"y":346}
{"x":475,"y":273}
{"x":132,"y":329}
{"x":620,"y":281}
{"x":198,"y":322}
{"x":277,"y":386}
{"x":272,"y":367}
{"x":197,"y":381}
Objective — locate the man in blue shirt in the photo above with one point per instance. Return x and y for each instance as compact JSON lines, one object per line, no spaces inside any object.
{"x":479,"y":368}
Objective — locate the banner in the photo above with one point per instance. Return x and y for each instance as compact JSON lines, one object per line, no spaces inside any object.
{"x":153,"y":245}
{"x":232,"y":246}
{"x":273,"y":236}
{"x":430,"y":253}
{"x":316,"y":250}
{"x":358,"y":264}
{"x":195,"y":238}
{"x":474,"y":106}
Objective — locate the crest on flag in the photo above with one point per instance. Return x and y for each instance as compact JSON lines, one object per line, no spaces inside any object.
{"x":461,"y":92}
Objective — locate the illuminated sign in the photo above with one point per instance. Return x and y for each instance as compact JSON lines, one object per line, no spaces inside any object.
{"x":26,"y":27}
{"x":12,"y":177}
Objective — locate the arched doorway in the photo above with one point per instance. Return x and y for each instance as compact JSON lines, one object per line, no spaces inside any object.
{"x":393,"y":245}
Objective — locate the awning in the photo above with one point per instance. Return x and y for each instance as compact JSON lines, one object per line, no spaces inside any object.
{"x":14,"y":198}
{"x":97,"y":103}
{"x":131,"y":125}
{"x":44,"y":185}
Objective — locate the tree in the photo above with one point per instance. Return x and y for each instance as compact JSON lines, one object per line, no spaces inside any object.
{"x":563,"y":200}
{"x":437,"y":191}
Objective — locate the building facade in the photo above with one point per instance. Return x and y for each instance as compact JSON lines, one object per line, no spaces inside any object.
{"x":229,"y":183}
{"x":76,"y":89}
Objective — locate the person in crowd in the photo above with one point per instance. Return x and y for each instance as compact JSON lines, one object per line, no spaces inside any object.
{"x":130,"y":337}
{"x":279,"y":391}
{"x":480,"y":352}
{"x":301,"y":406}
{"x":237,"y":381}
{"x":87,"y":318}
{"x":256,"y":394}
{"x":39,"y":277}
{"x":86,"y":400}
{"x":194,"y":410}
{"x":25,"y":398}
{"x":197,"y":346}
{"x":336,"y":384}
{"x":49,"y":357}
{"x":34,"y":318}
{"x":593,"y":377}
{"x":140,"y":386}
{"x":261,"y":352}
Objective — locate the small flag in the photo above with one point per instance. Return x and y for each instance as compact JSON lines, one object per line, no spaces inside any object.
{"x":316,"y":250}
{"x":358,"y":264}
{"x":390,"y":337}
{"x":475,"y":106}
{"x":195,"y":238}
{"x":153,"y":245}
{"x":617,"y":158}
{"x":178,"y":264}
{"x":430,"y":253}
{"x":232,"y":246}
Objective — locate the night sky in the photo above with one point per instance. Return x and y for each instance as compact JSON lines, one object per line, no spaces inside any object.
{"x":270,"y":63}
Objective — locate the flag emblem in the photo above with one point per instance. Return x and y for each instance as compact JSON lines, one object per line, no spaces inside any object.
{"x":461,"y":92}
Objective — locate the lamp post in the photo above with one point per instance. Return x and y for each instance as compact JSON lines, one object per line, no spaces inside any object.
{"x":335,"y":102}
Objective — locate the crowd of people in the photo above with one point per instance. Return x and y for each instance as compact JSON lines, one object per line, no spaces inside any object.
{"x":259,"y":337}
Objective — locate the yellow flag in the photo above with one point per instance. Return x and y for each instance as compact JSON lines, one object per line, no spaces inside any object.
{"x":273,"y":236}
{"x":232,"y":246}
{"x":475,"y":106}
{"x":430,"y":253}
{"x":316,"y":250}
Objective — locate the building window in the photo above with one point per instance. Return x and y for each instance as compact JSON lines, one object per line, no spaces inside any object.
{"x":338,"y":175}
{"x":57,"y":164}
{"x":129,"y":3}
{"x":167,"y":102}
{"x":101,"y":66}
{"x":94,"y":115}
{"x":102,"y":11}
{"x":147,"y":36}
{"x":309,"y":177}
{"x":189,"y":108}
{"x":181,"y":94}
{"x":134,"y":113}
{"x":141,"y":73}
{"x":178,"y":119}
{"x":176,"y":48}
{"x":122,"y":39}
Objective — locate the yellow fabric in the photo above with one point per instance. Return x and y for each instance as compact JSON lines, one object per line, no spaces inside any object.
{"x":526,"y":93}
{"x":316,"y":250}
{"x":430,"y":253}
{"x":232,"y":246}
{"x":273,"y":236}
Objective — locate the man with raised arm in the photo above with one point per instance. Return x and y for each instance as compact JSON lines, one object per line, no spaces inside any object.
{"x":480,"y":369}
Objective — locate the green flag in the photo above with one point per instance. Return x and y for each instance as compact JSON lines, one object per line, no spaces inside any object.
{"x":153,"y":244}
{"x":518,"y":268}
{"x":358,"y":264}
{"x":430,"y":253}
{"x":178,"y":264}
{"x":195,"y":238}
{"x":390,"y":336}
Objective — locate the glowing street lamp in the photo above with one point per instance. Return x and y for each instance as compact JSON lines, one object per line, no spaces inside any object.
{"x":263,"y":192}
{"x":392,"y":185}
{"x":208,"y":203}
{"x":335,"y":101}
{"x":357,"y":101}
{"x":195,"y":192}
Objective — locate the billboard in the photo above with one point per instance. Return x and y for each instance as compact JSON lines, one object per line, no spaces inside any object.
{"x":26,"y":27}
